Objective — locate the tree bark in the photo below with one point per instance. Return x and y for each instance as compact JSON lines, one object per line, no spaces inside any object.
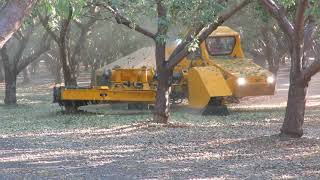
{"x":70,"y":78}
{"x":1,"y":71}
{"x":162,"y":105}
{"x":94,"y":66}
{"x":10,"y":87}
{"x":69,"y":70}
{"x":10,"y":78}
{"x":11,"y":17}
{"x":57,"y":75}
{"x":268,"y":48}
{"x":294,"y":118}
{"x":63,"y":42}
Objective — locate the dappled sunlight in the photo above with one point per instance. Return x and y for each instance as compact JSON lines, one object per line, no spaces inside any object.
{"x":156,"y":147}
{"x":91,"y":131}
{"x":28,"y":101}
{"x":189,"y":157}
{"x":38,"y":155}
{"x":37,"y":135}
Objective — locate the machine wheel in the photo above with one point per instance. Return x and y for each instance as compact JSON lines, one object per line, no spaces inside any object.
{"x":216,"y":107}
{"x":71,"y":109}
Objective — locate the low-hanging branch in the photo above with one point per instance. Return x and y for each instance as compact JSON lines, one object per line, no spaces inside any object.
{"x":84,"y":29}
{"x":314,"y":68}
{"x":45,"y":23}
{"x":43,"y":47}
{"x":181,"y":50}
{"x":279,"y":14}
{"x":123,"y":20}
{"x":205,"y":32}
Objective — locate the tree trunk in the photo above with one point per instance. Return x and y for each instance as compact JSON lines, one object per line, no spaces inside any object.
{"x":1,"y":72}
{"x":70,"y":78}
{"x":162,"y":106}
{"x":10,"y":87}
{"x":294,"y":118}
{"x":86,"y":65}
{"x":10,"y":76}
{"x":68,"y":67}
{"x":292,"y":125}
{"x":94,"y":66}
{"x":93,"y":76}
{"x":34,"y":68}
{"x":57,"y":75}
{"x":26,"y":78}
{"x":268,"y":50}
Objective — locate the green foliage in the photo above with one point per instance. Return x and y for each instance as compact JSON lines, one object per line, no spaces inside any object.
{"x":194,"y":45}
{"x":288,"y":3}
{"x":61,"y":8}
{"x":110,"y":41}
{"x":181,"y":14}
{"x":260,"y":12}
{"x":314,"y":9}
{"x":190,"y":11}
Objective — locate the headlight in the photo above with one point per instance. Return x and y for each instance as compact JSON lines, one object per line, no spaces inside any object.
{"x":241,"y":81}
{"x":270,"y":79}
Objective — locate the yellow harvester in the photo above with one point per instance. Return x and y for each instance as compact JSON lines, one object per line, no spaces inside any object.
{"x":210,"y":77}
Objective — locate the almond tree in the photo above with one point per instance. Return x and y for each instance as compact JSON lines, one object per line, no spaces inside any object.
{"x":64,"y":14}
{"x":270,"y":47}
{"x":62,"y":38}
{"x":53,"y":64}
{"x":203,"y":17}
{"x":300,"y":32}
{"x":15,"y":62}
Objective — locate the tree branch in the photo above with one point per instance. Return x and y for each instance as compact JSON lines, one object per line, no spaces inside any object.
{"x":85,"y":28}
{"x":300,"y":20}
{"x":22,"y":44}
{"x":122,"y":20}
{"x":279,"y":14}
{"x":11,"y":17}
{"x":309,"y":33}
{"x":18,"y":35}
{"x":206,"y":31}
{"x":78,"y":23}
{"x":190,"y":35}
{"x":45,"y":23}
{"x":44,"y":46}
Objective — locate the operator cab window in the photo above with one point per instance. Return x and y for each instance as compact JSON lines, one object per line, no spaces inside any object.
{"x":220,"y":46}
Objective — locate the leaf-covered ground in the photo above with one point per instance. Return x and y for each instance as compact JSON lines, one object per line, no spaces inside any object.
{"x":37,"y":140}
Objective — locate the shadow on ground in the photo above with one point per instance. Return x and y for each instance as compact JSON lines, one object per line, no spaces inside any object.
{"x":144,"y":150}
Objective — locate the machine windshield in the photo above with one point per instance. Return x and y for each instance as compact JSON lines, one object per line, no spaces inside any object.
{"x":218,"y":46}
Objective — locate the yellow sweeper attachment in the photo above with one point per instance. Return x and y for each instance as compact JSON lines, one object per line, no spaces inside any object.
{"x":208,"y":78}
{"x":207,"y":87}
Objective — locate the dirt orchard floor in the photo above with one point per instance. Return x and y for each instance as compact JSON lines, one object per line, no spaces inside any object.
{"x":243,"y":145}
